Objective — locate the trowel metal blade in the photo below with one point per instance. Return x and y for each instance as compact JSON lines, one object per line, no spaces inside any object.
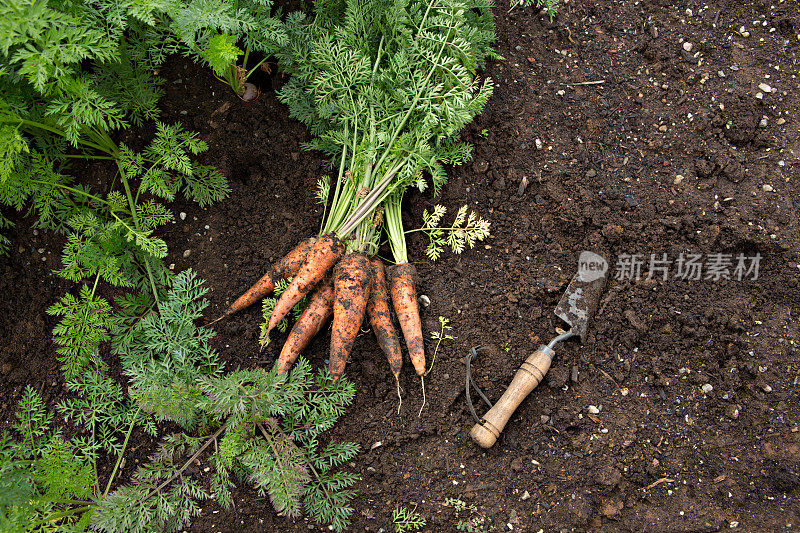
{"x":580,"y":300}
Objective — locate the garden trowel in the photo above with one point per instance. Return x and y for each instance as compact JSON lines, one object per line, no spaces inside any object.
{"x":576,"y":307}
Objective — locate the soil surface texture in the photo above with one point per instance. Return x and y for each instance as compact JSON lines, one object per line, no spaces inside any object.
{"x":633,"y":129}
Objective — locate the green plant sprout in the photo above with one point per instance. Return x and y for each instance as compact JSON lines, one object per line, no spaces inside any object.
{"x":550,"y":6}
{"x":465,"y":231}
{"x":439,"y":336}
{"x":213,"y":32}
{"x":405,"y":520}
{"x":474,"y":522}
{"x":222,"y":56}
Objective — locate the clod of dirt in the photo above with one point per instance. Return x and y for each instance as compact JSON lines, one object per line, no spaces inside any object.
{"x":611,"y":507}
{"x":607,"y":476}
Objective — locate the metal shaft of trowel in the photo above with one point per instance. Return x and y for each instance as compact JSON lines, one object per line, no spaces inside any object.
{"x":564,"y":336}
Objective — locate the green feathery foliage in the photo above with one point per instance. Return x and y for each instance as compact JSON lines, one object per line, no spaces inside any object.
{"x":267,"y":426}
{"x":405,"y":520}
{"x":381,"y":72}
{"x":44,"y":50}
{"x":85,"y":324}
{"x":465,"y":231}
{"x":385,"y":86}
{"x":42,"y":475}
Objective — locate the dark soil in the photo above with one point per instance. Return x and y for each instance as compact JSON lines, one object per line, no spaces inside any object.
{"x":674,"y":152}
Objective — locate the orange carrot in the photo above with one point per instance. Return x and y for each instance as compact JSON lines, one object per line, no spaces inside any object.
{"x":285,"y":268}
{"x":321,"y":257}
{"x":316,"y":313}
{"x":380,"y":318}
{"x":352,"y":280}
{"x":404,"y":299}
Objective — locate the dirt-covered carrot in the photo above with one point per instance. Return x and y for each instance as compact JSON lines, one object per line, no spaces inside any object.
{"x":380,"y":318}
{"x":352,"y":281}
{"x":285,"y":268}
{"x":404,"y":298}
{"x":316,"y":313}
{"x":321,"y":257}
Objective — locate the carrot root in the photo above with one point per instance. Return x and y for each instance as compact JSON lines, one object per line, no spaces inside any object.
{"x":422,"y":379}
{"x":320,"y":258}
{"x":380,"y":318}
{"x":399,"y":397}
{"x":286,"y":267}
{"x":404,"y":299}
{"x":352,"y":280}
{"x":316,"y":313}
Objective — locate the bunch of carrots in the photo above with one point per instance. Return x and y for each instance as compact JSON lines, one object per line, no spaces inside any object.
{"x":348,"y":286}
{"x":385,"y":88}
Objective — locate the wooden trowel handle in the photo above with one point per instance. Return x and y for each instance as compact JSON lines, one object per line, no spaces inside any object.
{"x":529,"y":375}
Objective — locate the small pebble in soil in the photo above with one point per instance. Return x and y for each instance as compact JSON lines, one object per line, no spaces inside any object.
{"x":376,"y":445}
{"x":182,"y":215}
{"x":767,"y":188}
{"x":781,"y":121}
{"x":766,"y":388}
{"x":525,"y":496}
{"x":763,"y":123}
{"x":539,"y":144}
{"x":765,"y":87}
{"x":760,"y":95}
{"x":593,"y":410}
{"x":186,"y":253}
{"x":678,"y":179}
{"x":424,"y":301}
{"x":687,"y":46}
{"x":708,"y":387}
